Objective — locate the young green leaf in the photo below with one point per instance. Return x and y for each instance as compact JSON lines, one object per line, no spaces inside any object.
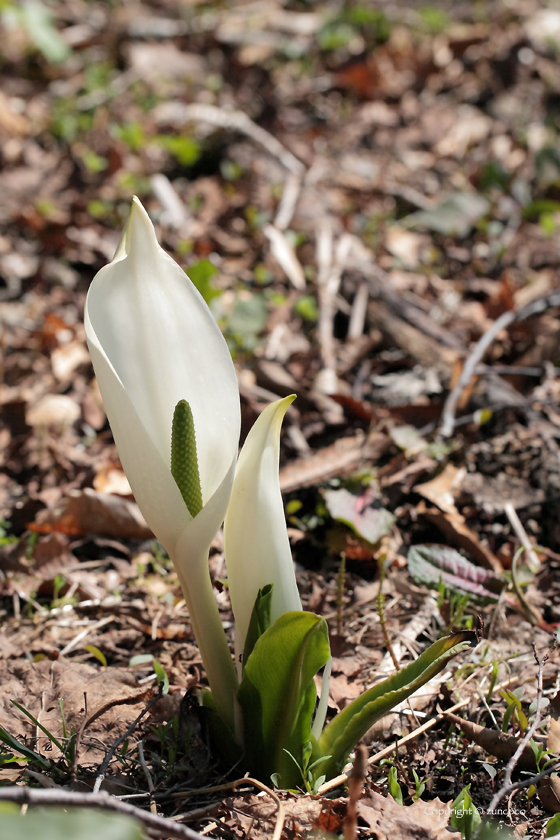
{"x":99,"y":655}
{"x":15,"y":745}
{"x":342,"y":734}
{"x":465,"y":815}
{"x":260,"y":619}
{"x":394,"y":787}
{"x":162,"y":678}
{"x":278,"y":694}
{"x":34,"y":720}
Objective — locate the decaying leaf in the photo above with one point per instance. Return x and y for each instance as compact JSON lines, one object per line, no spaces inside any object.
{"x":420,"y":821}
{"x":370,"y":523}
{"x":495,"y":742}
{"x":89,"y":512}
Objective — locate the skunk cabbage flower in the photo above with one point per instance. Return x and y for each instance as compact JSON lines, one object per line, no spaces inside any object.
{"x":154,"y":343}
{"x":256,"y":542}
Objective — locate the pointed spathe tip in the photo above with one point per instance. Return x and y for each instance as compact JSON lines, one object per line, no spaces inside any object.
{"x":138,"y":230}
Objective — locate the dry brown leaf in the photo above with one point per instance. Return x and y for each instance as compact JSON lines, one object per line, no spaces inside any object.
{"x":258,"y":813}
{"x":111,"y":479}
{"x":39,"y":686}
{"x":89,"y":512}
{"x":341,"y":457}
{"x":440,"y":489}
{"x":495,"y":742}
{"x":420,"y":821}
{"x":53,"y":410}
{"x":549,"y":793}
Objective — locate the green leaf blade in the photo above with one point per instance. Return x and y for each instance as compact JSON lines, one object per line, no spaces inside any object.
{"x":342,"y":734}
{"x":260,"y":619}
{"x":278,"y":694}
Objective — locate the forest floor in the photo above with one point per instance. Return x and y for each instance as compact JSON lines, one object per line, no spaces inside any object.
{"x":363,"y":194}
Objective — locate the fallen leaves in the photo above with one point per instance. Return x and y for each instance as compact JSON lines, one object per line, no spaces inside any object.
{"x":89,"y":512}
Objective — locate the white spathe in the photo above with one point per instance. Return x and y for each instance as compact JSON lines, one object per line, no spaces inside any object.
{"x":153,"y":342}
{"x":256,"y":542}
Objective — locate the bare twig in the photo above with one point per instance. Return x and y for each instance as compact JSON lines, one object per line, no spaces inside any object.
{"x":26,"y":796}
{"x":148,"y":775}
{"x":356,"y":781}
{"x":287,"y":205}
{"x":381,"y":613}
{"x":234,"y":121}
{"x":507,"y":786}
{"x":283,"y":251}
{"x":505,"y":320}
{"x":79,"y":736}
{"x":118,"y":742}
{"x":521,"y":533}
{"x":246,"y":780}
{"x":452,"y":401}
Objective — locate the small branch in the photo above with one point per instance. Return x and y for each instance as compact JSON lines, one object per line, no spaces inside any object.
{"x":505,"y":320}
{"x":118,"y":742}
{"x":381,"y":614}
{"x":234,"y":121}
{"x":522,"y":536}
{"x":356,"y":782}
{"x":148,"y":775}
{"x":507,"y":787}
{"x":480,"y":348}
{"x":25,"y":796}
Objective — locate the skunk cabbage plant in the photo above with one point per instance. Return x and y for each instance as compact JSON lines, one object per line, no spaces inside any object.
{"x":171,"y":396}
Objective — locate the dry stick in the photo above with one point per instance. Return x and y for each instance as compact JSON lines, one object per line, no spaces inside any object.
{"x":118,"y":742}
{"x":521,"y":534}
{"x":356,"y":782}
{"x":79,"y":736}
{"x":280,"y":814}
{"x":507,"y":787}
{"x":450,"y":407}
{"x":239,"y":121}
{"x":25,"y":796}
{"x":504,"y":321}
{"x":148,"y":775}
{"x":381,"y":612}
{"x":287,"y":205}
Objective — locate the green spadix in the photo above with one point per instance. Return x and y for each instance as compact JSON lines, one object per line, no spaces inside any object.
{"x":184,"y":459}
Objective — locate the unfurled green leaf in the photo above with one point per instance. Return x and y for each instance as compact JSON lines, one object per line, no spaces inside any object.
{"x":15,"y":745}
{"x":278,"y":694}
{"x":342,"y":734}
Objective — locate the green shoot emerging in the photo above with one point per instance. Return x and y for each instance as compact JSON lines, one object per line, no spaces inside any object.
{"x":184,"y":460}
